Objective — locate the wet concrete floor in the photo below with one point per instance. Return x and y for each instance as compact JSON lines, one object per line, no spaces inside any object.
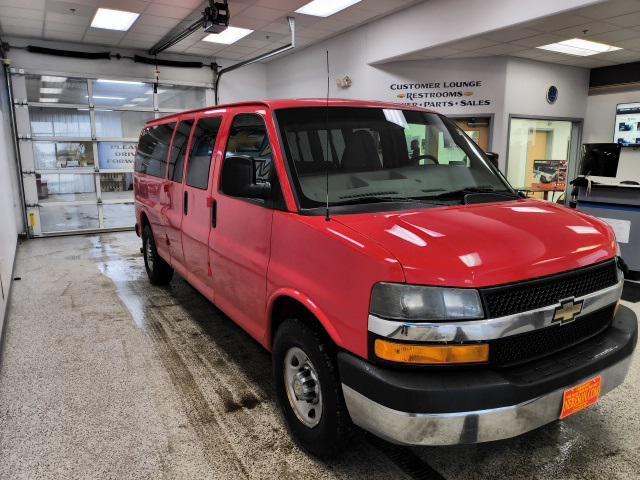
{"x":106,"y":376}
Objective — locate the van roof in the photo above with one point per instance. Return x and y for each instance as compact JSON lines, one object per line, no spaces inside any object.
{"x":292,"y":103}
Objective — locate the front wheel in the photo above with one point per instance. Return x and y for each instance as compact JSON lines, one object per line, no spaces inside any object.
{"x":308,"y":390}
{"x":159,"y":271}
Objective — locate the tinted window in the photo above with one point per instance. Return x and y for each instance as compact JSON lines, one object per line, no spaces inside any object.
{"x":151,"y":156}
{"x":248,"y":137}
{"x":179,"y":150}
{"x":204,"y":139}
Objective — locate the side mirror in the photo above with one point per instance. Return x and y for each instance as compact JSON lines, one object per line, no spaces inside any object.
{"x":239,"y":178}
{"x":493,"y":158}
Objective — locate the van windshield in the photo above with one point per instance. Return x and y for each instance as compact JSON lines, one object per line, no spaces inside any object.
{"x":375,"y":155}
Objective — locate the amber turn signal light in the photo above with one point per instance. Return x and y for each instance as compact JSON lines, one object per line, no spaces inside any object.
{"x":431,"y":354}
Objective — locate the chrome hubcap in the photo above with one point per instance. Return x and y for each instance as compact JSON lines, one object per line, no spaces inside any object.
{"x":303,"y":387}
{"x":148,"y":253}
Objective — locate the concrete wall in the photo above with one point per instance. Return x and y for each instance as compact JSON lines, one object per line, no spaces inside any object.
{"x":599,"y":127}
{"x":10,"y":221}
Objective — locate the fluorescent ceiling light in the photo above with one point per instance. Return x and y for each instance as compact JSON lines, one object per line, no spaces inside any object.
{"x":325,"y":8}
{"x":129,"y":105}
{"x":49,"y":78}
{"x":579,"y":47}
{"x":49,"y":100}
{"x":102,"y":97}
{"x":228,"y":36}
{"x":51,"y":91}
{"x":113,"y":19}
{"x":139,"y":99}
{"x":126,"y":82}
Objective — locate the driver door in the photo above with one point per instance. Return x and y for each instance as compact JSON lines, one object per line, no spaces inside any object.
{"x":239,"y":244}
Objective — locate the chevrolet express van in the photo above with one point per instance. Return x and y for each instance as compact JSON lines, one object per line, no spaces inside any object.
{"x":406,"y":289}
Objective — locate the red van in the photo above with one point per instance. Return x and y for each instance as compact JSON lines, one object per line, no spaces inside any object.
{"x":399,"y":281}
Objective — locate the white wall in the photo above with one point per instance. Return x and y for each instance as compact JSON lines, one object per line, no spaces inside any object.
{"x":10,"y":221}
{"x":509,"y":85}
{"x":526,"y":85}
{"x":599,"y":127}
{"x":438,"y":22}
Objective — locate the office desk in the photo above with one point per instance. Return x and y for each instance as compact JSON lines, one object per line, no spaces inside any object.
{"x":618,"y":205}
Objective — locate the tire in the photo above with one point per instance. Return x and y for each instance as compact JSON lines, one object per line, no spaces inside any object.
{"x":159,"y":271}
{"x":323,"y":434}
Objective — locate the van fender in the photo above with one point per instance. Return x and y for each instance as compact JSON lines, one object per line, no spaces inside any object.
{"x":309,"y":304}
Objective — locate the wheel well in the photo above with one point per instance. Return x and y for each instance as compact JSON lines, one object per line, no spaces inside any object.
{"x":144,"y":221}
{"x":286,"y":307}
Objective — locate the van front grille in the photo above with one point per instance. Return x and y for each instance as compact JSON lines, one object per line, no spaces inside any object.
{"x":542,"y":292}
{"x":529,"y":346}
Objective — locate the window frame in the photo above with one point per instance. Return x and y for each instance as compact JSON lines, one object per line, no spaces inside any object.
{"x":187,"y":146}
{"x":170,"y":121}
{"x":191,"y":144}
{"x":276,"y":201}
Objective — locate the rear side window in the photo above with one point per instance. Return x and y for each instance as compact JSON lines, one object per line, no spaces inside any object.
{"x":179,"y":150}
{"x":151,"y":156}
{"x":204,"y":139}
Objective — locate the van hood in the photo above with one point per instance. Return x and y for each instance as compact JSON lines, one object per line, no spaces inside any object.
{"x":487,"y":244}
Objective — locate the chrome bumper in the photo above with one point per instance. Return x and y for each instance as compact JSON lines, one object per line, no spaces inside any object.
{"x":467,"y":427}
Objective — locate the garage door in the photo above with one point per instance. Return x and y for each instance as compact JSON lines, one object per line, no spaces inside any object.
{"x":77,"y":142}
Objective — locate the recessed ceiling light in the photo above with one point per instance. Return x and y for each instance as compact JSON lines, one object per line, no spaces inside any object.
{"x":325,"y":8}
{"x":52,"y":91}
{"x":113,"y":19}
{"x":228,"y":36}
{"x":126,"y":82}
{"x":49,"y":100}
{"x":579,"y":47}
{"x":49,"y":78}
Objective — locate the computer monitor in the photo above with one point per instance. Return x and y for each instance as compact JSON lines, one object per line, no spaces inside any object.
{"x":600,"y":159}
{"x":627,"y":125}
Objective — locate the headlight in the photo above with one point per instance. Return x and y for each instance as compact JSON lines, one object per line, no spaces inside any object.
{"x":413,"y":302}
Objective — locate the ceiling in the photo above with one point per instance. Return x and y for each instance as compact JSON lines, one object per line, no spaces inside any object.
{"x":615,"y":22}
{"x":70,"y":21}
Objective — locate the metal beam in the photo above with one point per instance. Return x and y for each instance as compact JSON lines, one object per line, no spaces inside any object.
{"x":162,"y":45}
{"x":264,"y":56}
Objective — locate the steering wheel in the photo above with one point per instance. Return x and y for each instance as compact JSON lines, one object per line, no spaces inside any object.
{"x":426,"y":156}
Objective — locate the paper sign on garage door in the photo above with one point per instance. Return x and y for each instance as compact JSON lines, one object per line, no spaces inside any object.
{"x":621,"y":228}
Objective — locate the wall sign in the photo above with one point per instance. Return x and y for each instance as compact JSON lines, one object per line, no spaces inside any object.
{"x":456,"y":94}
{"x":552,"y":94}
{"x":116,"y":155}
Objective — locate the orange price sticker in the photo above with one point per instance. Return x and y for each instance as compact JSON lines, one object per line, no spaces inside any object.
{"x":581,"y":396}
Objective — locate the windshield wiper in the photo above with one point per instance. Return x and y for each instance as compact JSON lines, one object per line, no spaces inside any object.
{"x":372,"y":199}
{"x":488,"y":190}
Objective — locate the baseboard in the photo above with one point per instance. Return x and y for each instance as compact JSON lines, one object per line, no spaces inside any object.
{"x":5,"y":307}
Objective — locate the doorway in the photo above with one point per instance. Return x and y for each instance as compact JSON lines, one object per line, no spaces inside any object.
{"x":477,"y":128}
{"x":542,"y":155}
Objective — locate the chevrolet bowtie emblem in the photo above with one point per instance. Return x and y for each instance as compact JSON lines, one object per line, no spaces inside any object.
{"x":568,"y":310}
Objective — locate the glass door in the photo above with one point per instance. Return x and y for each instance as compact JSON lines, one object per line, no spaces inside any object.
{"x":541,"y":156}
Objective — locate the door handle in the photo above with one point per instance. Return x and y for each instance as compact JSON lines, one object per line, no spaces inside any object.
{"x":185,"y":203}
{"x":212,"y":204}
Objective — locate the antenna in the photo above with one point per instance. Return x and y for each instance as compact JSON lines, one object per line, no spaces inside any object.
{"x":327,"y":218}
